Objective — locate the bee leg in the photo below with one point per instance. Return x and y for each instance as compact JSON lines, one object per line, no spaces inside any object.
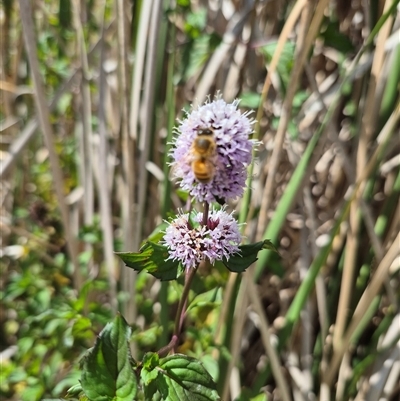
{"x":219,"y":200}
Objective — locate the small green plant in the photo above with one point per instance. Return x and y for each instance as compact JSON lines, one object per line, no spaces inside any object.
{"x":210,"y":157}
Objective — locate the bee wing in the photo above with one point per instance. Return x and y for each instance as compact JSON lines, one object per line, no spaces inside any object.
{"x":175,"y":171}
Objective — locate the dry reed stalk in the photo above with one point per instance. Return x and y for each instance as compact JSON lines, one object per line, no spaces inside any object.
{"x":44,"y":118}
{"x":137,"y":76}
{"x":128,"y":276}
{"x":104,"y":191}
{"x":87,"y":140}
{"x":232,"y":32}
{"x":147,"y":115}
{"x":264,"y":328}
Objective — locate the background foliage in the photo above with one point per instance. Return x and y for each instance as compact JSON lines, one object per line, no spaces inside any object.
{"x":89,"y":99}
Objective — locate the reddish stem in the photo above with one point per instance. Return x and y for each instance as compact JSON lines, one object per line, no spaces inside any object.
{"x":205,"y":213}
{"x":180,"y":313}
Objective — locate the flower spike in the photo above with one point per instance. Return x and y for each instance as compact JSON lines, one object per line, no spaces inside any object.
{"x":190,"y":244}
{"x":212,"y":151}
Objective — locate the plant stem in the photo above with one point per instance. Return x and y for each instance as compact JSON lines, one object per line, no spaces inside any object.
{"x":205,"y":213}
{"x":189,"y":274}
{"x":180,"y":313}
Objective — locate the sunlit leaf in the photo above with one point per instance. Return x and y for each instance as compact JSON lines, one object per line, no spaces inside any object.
{"x":152,"y":259}
{"x":107,"y":374}
{"x":179,"y":378}
{"x":247,"y":255}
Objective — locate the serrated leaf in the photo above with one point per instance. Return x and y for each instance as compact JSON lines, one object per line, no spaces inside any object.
{"x":211,"y":297}
{"x":267,"y":244}
{"x":148,"y":373}
{"x":247,"y":255}
{"x":182,"y":378}
{"x":107,"y":374}
{"x":152,"y":258}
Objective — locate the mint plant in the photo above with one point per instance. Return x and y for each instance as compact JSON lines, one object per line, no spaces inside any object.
{"x":191,"y":238}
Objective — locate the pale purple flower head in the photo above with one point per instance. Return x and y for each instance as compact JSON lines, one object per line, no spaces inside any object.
{"x":233,"y":151}
{"x":190,"y":242}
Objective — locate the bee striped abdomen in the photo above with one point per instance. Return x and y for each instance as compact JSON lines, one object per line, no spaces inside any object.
{"x":203,"y":152}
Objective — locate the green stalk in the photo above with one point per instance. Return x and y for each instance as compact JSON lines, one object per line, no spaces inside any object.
{"x":223,"y":360}
{"x":166,"y":198}
{"x":391,"y":93}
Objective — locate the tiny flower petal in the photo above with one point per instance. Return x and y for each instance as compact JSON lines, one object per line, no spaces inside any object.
{"x":233,"y":150}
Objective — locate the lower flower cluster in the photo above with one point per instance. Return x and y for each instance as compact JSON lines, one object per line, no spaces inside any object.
{"x":190,"y":242}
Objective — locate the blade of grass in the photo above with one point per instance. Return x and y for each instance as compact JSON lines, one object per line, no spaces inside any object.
{"x":391,"y":93}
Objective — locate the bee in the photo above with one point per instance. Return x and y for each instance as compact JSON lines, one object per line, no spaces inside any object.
{"x":203,"y":152}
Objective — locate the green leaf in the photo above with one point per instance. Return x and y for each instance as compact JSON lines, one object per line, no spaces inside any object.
{"x":157,"y":235}
{"x":107,"y":374}
{"x":285,"y":63}
{"x":247,"y":255}
{"x":196,"y":22}
{"x":250,"y":100}
{"x":179,"y":378}
{"x":33,"y":393}
{"x":148,"y":373}
{"x":74,"y":391}
{"x":211,"y":297}
{"x":150,"y":360}
{"x":330,"y":31}
{"x":82,"y":328}
{"x":152,"y":258}
{"x":246,"y":396}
